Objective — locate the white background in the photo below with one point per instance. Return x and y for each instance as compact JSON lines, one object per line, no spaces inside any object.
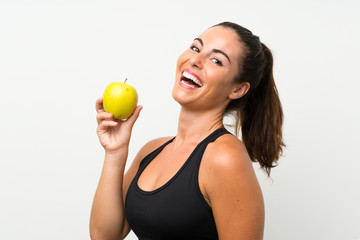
{"x":57,"y":57}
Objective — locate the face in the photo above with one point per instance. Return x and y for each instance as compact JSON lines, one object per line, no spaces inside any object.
{"x":205,"y":72}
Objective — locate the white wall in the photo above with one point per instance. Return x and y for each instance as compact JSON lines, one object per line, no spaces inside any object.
{"x":56,"y":58}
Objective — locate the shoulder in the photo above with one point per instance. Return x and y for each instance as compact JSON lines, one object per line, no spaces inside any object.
{"x":227,"y":165}
{"x":228,"y":153}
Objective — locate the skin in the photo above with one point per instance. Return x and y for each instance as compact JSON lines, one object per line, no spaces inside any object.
{"x":226,"y":176}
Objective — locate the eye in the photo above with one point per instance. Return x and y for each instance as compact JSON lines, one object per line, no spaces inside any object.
{"x":194,"y":48}
{"x":216,"y":61}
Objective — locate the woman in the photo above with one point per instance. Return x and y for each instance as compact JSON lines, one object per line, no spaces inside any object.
{"x":201,"y":183}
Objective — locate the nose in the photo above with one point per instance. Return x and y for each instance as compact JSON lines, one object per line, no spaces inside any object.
{"x":196,"y":60}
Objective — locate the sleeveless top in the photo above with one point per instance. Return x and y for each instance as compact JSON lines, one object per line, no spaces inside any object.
{"x":176,"y":210}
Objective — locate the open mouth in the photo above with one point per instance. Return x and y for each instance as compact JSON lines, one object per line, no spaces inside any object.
{"x":190,"y":81}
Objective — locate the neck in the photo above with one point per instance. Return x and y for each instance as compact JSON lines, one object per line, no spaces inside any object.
{"x":194,"y":126}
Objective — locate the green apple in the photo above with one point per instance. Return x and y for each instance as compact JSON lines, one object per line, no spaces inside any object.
{"x":120,"y":99}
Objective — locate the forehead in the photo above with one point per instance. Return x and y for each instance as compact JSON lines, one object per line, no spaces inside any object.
{"x":224,"y":39}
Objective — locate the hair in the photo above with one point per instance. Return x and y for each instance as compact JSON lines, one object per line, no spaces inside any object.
{"x":258,"y":113}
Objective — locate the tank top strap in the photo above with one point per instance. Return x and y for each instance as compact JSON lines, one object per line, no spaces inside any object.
{"x":202,"y":146}
{"x":153,"y":154}
{"x":213,"y":136}
{"x":217,"y":133}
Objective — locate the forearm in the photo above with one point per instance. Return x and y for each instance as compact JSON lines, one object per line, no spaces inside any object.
{"x":107,"y":214}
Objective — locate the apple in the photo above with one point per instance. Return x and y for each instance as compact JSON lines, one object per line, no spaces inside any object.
{"x":120,"y":99}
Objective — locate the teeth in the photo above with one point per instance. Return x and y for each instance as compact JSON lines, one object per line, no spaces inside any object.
{"x":185,"y":83}
{"x":192,"y":77}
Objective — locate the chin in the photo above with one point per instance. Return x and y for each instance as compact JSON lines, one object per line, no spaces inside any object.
{"x":176,"y":96}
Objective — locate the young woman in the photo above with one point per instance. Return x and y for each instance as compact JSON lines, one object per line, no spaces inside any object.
{"x":201,"y":183}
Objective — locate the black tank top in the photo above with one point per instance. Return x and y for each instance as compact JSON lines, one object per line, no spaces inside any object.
{"x":176,"y":210}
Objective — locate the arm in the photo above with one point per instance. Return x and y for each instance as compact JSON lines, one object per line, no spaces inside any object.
{"x":107,"y":220}
{"x":232,"y":190}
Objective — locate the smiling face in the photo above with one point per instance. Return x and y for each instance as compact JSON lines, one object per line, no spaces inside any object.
{"x":205,"y":72}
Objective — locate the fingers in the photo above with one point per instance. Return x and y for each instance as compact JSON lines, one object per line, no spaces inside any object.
{"x":106,"y":124}
{"x":99,"y":105}
{"x":104,"y":116}
{"x":105,"y":121}
{"x":134,"y":116}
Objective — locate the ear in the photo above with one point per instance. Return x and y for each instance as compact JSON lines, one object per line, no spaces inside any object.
{"x":239,"y":90}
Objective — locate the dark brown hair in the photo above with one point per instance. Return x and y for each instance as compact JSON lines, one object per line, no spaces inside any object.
{"x":258,"y":113}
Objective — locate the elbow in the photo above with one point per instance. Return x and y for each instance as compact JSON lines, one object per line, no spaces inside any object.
{"x":99,"y":234}
{"x":95,"y":234}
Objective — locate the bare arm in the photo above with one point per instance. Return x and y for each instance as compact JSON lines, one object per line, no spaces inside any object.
{"x":233,"y":191}
{"x":107,"y":220}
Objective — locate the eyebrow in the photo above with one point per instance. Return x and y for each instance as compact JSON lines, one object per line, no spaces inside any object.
{"x":214,"y":50}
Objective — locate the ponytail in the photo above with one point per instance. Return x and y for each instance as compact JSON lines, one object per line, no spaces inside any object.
{"x":261,"y":118}
{"x":258,"y":113}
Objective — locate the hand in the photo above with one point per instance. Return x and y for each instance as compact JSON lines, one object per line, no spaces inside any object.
{"x":114,"y":134}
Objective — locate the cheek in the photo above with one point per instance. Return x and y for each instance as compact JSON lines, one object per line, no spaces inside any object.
{"x":222,"y":80}
{"x":182,"y":59}
{"x":179,"y":63}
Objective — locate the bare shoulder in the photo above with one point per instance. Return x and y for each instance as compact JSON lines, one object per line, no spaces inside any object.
{"x":229,"y":184}
{"x":226,"y":164}
{"x":228,"y":153}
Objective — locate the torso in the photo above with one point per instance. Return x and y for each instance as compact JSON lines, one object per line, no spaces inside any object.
{"x":167,"y":195}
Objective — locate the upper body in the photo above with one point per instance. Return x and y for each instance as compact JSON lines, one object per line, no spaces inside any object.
{"x":209,"y":84}
{"x":223,"y":178}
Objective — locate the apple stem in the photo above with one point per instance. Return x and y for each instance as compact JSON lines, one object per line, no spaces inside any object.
{"x":125,"y":80}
